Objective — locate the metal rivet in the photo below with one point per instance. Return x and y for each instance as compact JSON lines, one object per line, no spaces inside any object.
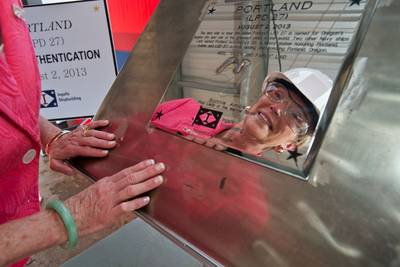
{"x":29,"y":156}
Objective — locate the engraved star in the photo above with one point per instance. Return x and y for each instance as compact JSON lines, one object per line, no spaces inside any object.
{"x":355,"y":2}
{"x":96,"y":8}
{"x":159,"y":114}
{"x":294,"y":155}
{"x":211,"y":11}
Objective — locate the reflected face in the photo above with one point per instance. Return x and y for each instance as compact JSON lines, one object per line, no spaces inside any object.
{"x":279,"y":117}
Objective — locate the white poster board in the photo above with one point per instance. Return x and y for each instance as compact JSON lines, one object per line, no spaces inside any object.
{"x":75,"y":54}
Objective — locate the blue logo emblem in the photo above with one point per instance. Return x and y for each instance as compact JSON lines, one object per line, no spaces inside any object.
{"x":48,"y":99}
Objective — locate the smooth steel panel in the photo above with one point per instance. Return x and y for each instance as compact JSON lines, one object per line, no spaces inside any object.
{"x":242,"y":214}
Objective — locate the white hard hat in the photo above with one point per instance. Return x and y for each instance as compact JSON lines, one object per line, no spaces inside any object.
{"x":315,"y":85}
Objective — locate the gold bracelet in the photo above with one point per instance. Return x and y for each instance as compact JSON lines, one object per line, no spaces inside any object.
{"x":55,"y":138}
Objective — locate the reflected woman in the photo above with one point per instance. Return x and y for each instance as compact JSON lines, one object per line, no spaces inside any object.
{"x":284,"y":117}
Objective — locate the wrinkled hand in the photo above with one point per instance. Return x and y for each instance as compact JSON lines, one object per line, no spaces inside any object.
{"x":211,"y":142}
{"x":103,"y":203}
{"x":84,"y":141}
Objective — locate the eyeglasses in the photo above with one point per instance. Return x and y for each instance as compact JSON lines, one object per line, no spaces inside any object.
{"x":277,"y":93}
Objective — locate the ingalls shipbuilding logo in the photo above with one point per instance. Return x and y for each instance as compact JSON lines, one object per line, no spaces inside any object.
{"x":208,"y":117}
{"x":48,"y":99}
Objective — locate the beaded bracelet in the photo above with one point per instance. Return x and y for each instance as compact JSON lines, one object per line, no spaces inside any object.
{"x":68,"y":220}
{"x":55,"y":138}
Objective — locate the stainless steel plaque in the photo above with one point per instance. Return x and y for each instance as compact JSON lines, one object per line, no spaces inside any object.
{"x":217,"y":97}
{"x":231,"y":211}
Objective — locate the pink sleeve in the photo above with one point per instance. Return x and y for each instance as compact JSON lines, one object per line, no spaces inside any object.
{"x":184,"y":117}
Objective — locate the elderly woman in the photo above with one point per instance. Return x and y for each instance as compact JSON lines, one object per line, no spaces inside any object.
{"x":283,"y":118}
{"x":24,"y":228}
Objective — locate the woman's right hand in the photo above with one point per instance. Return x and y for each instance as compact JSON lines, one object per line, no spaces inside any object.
{"x":103,"y":203}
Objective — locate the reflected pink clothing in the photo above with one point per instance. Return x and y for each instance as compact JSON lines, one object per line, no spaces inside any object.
{"x":178,"y":117}
{"x":19,"y":113}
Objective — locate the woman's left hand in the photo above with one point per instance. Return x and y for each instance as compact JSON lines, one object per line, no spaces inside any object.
{"x":84,"y":141}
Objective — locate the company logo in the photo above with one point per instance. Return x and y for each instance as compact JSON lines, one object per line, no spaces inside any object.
{"x":208,"y":118}
{"x":48,"y":99}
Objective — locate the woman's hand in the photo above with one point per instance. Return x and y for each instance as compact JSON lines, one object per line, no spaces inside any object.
{"x":103,"y":203}
{"x":98,"y":207}
{"x":84,"y":141}
{"x":211,"y":142}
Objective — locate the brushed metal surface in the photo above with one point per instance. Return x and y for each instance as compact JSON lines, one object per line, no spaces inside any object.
{"x":237,"y":213}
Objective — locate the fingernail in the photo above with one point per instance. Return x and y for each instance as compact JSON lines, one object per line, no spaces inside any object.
{"x":160,"y":167}
{"x":105,"y":152}
{"x":111,"y":136}
{"x":158,"y":179}
{"x":111,"y":143}
{"x":146,"y":200}
{"x":151,"y":162}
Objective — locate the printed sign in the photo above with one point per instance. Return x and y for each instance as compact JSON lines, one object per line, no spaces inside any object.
{"x":74,"y":51}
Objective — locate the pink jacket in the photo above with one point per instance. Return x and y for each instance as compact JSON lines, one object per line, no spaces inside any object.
{"x":19,"y":111}
{"x":187,"y":117}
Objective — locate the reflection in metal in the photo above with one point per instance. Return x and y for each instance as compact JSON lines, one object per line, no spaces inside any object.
{"x":354,"y":220}
{"x":396,"y":261}
{"x":393,"y":210}
{"x":239,"y":65}
{"x":316,"y":223}
{"x":269,"y":254}
{"x":251,"y":83}
{"x":273,"y":20}
{"x":243,"y":88}
{"x":226,"y":63}
{"x":385,"y":3}
{"x":352,"y":99}
{"x":332,"y":160}
{"x":340,"y":83}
